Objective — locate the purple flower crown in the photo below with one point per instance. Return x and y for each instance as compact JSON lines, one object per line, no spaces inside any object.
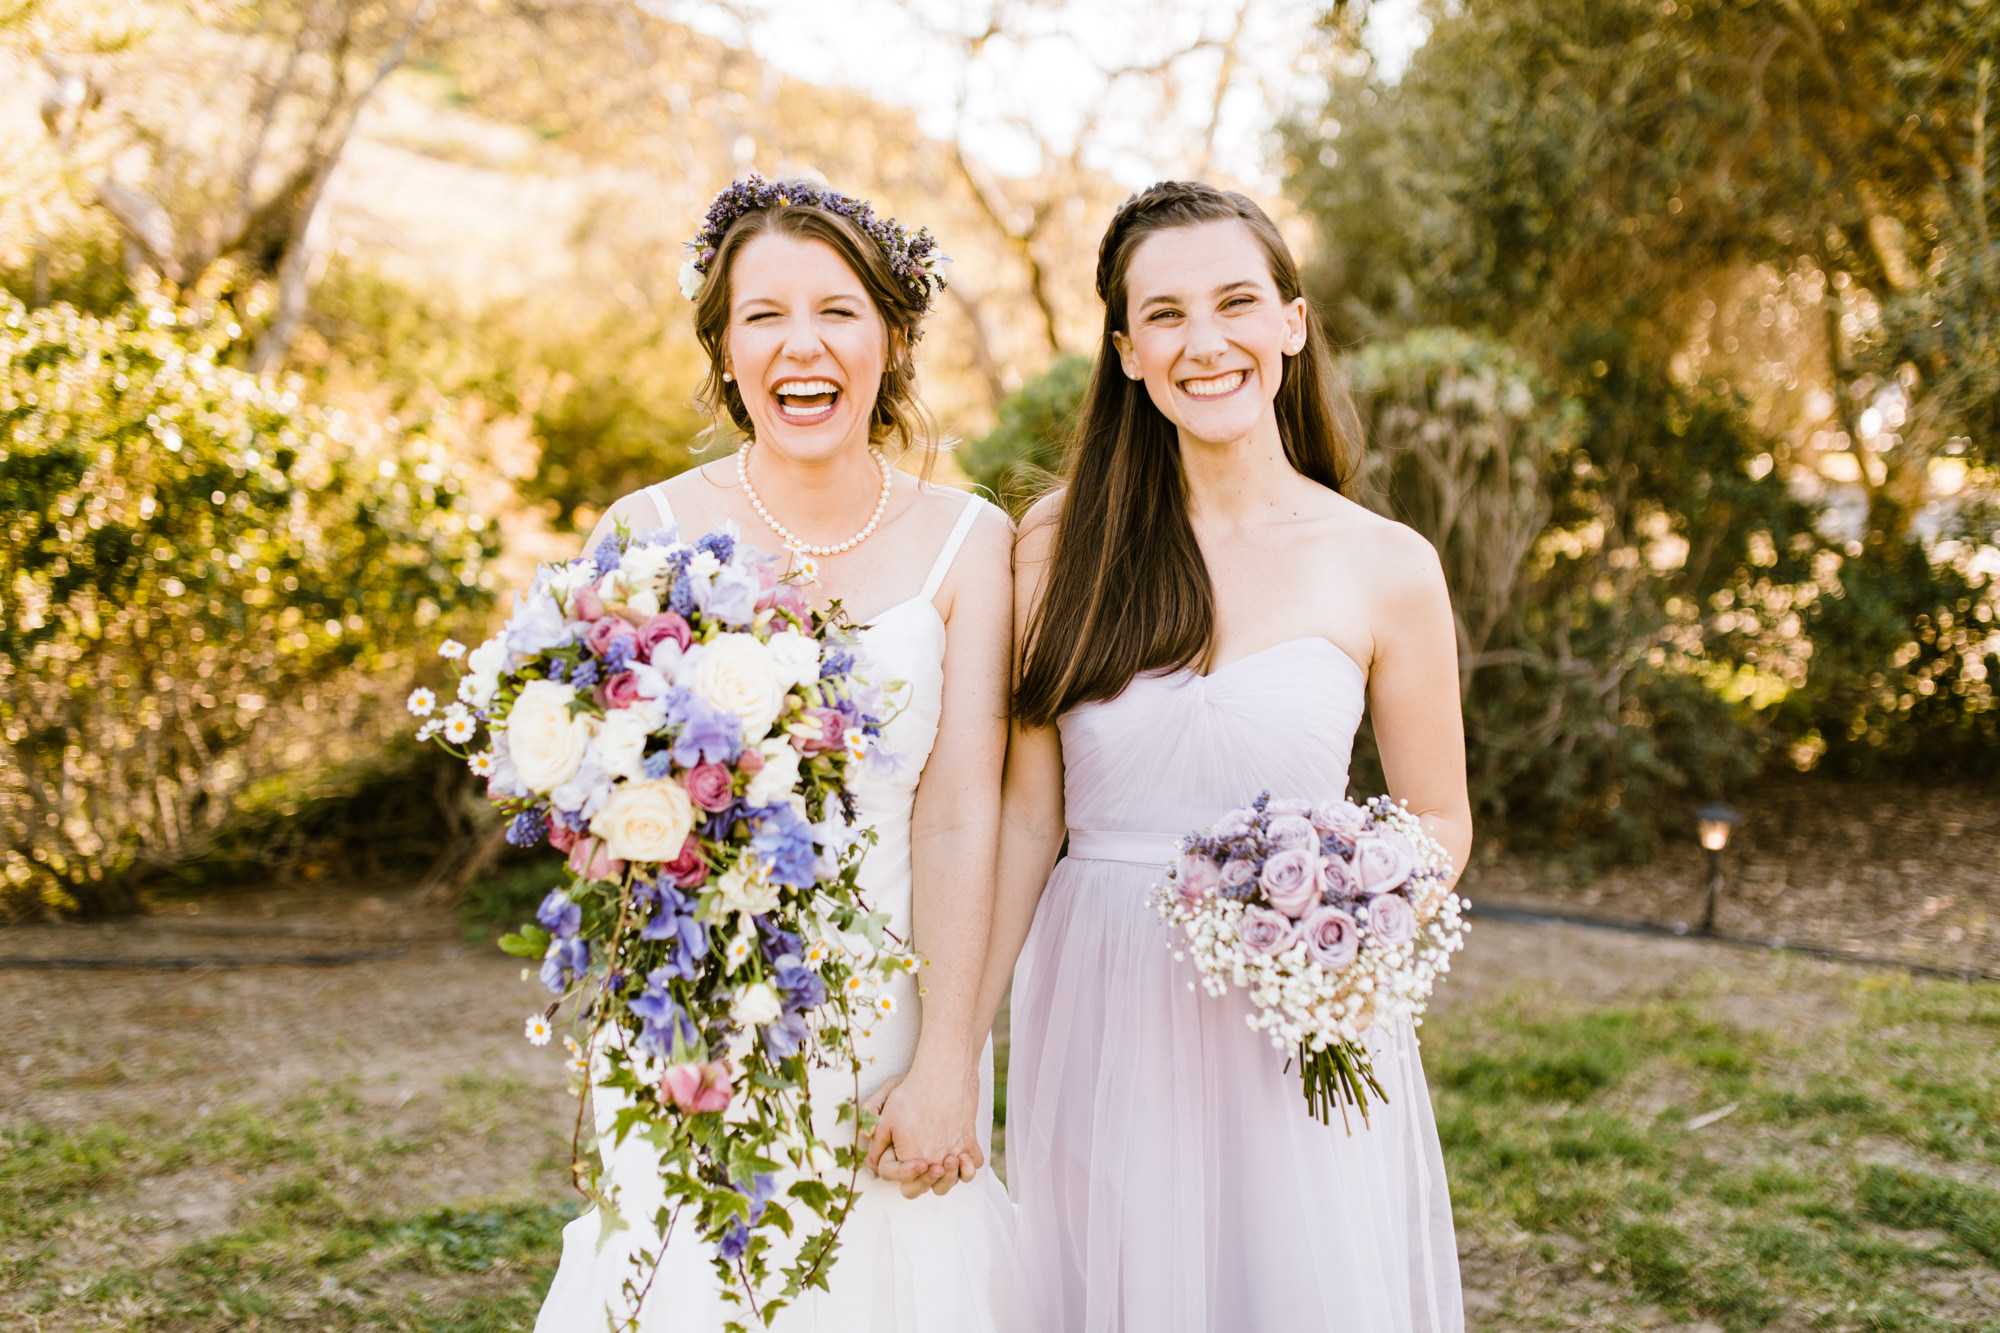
{"x":913,"y":258}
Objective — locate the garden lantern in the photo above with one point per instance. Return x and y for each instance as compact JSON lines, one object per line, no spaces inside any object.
{"x":1715,"y":821}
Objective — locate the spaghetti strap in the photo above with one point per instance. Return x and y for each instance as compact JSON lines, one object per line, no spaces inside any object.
{"x":951,"y":545}
{"x":657,"y":493}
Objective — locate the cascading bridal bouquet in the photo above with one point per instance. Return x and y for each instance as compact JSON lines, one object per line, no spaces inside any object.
{"x":1334,"y":917}
{"x":679,"y":721}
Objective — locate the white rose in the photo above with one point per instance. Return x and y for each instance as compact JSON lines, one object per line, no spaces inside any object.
{"x":756,"y":1006}
{"x":735,"y":674}
{"x":692,"y":281}
{"x":704,"y":565}
{"x":644,"y":603}
{"x":621,"y":742}
{"x":744,"y":890}
{"x":780,"y":774}
{"x":546,"y":742}
{"x":647,"y":820}
{"x":795,"y":658}
{"x":646,"y":566}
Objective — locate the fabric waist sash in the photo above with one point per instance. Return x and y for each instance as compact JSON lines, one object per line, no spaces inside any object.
{"x":1146,"y":849}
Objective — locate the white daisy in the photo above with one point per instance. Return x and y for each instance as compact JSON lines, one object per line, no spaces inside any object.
{"x":816,"y":953}
{"x":739,"y":949}
{"x":481,"y":764}
{"x":459,"y":730}
{"x":857,"y":744}
{"x":805,"y":567}
{"x":451,"y":648}
{"x":885,"y":1005}
{"x":422,"y":701}
{"x":539,"y":1031}
{"x":429,"y":729}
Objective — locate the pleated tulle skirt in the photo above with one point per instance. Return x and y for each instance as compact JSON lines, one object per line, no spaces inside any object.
{"x":1167,"y":1176}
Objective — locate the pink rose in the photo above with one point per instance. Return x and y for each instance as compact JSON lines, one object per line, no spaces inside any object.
{"x":1340,"y":817}
{"x":664,"y":626}
{"x":708,"y":786}
{"x":1293,"y":831}
{"x":697,"y":1088}
{"x":1236,"y":874}
{"x":620,"y":691}
{"x":1262,"y":931}
{"x":589,"y":858}
{"x":1285,"y":806}
{"x":1332,"y":937}
{"x":750,"y":763}
{"x":586,"y":604}
{"x":603,"y":633}
{"x":1383,"y":859}
{"x":789,"y":598}
{"x":561,"y":836}
{"x":1196,"y":877}
{"x":832,"y":732}
{"x":688,"y":869}
{"x":1392,"y":920}
{"x":1291,"y":881}
{"x":1336,"y":878}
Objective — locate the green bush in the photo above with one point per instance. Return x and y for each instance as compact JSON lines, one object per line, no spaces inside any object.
{"x":206,"y":582}
{"x":1019,"y":456}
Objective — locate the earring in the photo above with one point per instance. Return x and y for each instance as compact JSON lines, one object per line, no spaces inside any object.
{"x":728,"y":378}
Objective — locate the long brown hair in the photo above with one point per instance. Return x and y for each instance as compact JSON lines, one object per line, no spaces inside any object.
{"x":899,"y":416}
{"x":1127,"y":590}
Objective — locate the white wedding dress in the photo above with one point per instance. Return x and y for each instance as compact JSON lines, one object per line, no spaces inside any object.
{"x":926,"y":1265}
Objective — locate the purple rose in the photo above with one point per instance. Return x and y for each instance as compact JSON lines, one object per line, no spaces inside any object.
{"x":1196,"y":878}
{"x":1383,"y":859}
{"x":1340,"y":817}
{"x":1234,"y":824}
{"x":1332,"y":937}
{"x":1292,"y":831}
{"x":708,"y":786}
{"x":1236,"y":874}
{"x":1392,"y":920}
{"x":1336,"y":878}
{"x":1291,"y":881}
{"x":1263,"y":931}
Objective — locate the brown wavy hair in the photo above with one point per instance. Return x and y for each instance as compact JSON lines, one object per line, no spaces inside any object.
{"x":1127,"y":590}
{"x":900,"y":421}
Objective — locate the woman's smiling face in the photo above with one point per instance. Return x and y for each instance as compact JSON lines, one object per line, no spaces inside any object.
{"x":1207,"y":330}
{"x":806,"y":344}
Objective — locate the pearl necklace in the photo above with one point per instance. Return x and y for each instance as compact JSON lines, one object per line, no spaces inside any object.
{"x":792,"y":541}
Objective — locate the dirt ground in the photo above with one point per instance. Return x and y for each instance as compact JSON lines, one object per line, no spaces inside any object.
{"x":1887,"y":870}
{"x":407,"y":1034}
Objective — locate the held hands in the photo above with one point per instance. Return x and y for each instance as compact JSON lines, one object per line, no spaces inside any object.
{"x":927,"y":1138}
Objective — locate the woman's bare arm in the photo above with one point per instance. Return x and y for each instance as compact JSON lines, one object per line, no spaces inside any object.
{"x":1413,"y":691}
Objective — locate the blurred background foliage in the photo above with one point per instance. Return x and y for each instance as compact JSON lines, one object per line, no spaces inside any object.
{"x":1673,"y":325}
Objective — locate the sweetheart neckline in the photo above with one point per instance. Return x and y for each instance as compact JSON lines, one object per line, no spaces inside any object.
{"x":1233,"y":662}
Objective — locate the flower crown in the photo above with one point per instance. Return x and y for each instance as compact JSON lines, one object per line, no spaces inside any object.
{"x":914,"y":259}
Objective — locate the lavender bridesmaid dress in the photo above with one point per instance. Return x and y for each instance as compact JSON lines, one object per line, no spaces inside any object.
{"x":1168,"y":1176}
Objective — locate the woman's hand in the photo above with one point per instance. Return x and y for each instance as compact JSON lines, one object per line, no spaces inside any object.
{"x":927,"y":1135}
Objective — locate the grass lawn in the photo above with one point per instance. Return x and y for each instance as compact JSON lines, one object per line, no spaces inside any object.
{"x":1853,"y":1183}
{"x":1740,"y":1151}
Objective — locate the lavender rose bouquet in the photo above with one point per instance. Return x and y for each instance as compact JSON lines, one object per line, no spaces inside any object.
{"x":1334,"y":917}
{"x":681,"y":724}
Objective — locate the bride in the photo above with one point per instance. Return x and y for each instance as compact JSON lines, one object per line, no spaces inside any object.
{"x":809,"y":308}
{"x":1206,"y":614}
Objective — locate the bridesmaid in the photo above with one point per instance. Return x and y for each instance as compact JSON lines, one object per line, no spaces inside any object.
{"x":1204,"y":614}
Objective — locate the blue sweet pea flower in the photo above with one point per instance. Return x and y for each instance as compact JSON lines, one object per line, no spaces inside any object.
{"x":558,"y":915}
{"x":783,"y":842}
{"x":735,"y":1240}
{"x":783,"y":1038}
{"x":566,"y":960}
{"x":702,"y":731}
